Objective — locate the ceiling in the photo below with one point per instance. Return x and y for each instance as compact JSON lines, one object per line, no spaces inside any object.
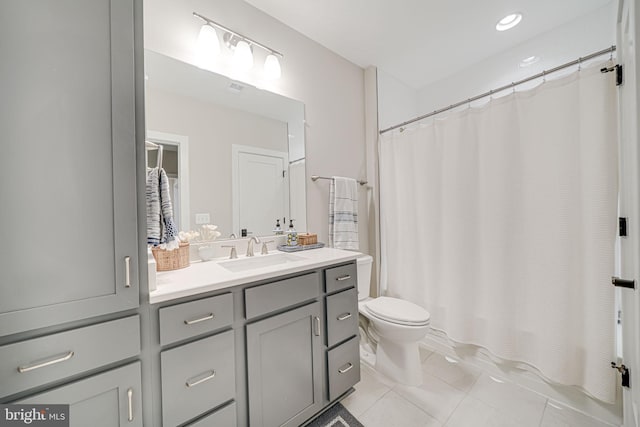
{"x":421,"y":41}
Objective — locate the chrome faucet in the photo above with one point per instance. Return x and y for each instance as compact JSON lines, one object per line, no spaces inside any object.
{"x":252,"y":239}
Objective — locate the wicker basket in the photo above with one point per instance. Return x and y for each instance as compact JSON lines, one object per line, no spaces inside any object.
{"x":171,"y":260}
{"x":307,"y":239}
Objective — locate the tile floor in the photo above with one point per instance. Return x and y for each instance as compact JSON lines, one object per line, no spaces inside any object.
{"x":455,"y":395}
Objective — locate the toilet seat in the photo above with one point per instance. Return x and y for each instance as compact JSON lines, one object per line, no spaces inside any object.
{"x":398,"y":311}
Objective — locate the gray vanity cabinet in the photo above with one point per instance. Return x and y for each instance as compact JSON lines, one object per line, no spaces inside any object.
{"x":110,"y":399}
{"x":284,"y":356}
{"x":67,"y":168}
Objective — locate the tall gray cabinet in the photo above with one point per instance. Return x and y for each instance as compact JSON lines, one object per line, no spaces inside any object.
{"x":69,"y":325}
{"x":68,"y":219}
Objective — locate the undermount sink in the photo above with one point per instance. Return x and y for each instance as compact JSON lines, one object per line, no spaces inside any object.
{"x":258,"y":261}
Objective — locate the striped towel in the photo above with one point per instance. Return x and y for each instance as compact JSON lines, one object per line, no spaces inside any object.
{"x":161,"y":230}
{"x":343,"y":213}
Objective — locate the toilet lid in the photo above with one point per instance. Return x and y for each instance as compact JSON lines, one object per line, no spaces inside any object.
{"x":399,"y":311}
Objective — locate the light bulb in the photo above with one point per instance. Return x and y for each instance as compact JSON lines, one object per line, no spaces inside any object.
{"x":509,"y":21}
{"x":208,"y":46}
{"x":272,"y":70}
{"x":243,"y":57}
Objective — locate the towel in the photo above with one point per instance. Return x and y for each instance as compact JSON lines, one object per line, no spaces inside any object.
{"x":161,"y":230}
{"x":343,"y":213}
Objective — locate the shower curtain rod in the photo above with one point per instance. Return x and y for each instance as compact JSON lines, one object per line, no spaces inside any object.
{"x":511,"y":85}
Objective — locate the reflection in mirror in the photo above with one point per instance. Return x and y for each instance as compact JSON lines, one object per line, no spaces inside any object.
{"x":235,"y":152}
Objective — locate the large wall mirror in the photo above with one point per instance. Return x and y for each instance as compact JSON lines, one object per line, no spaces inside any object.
{"x":234,"y":154}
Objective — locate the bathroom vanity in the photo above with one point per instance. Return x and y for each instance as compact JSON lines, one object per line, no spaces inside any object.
{"x":272,"y":351}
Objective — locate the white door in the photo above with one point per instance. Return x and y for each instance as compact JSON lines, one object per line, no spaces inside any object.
{"x":629,"y":207}
{"x":262,"y":192}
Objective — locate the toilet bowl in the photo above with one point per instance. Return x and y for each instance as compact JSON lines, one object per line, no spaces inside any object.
{"x":399,"y":326}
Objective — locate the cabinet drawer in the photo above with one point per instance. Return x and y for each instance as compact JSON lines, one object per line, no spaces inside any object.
{"x":190,"y":319}
{"x":342,"y":316}
{"x":264,"y":299}
{"x":344,"y":367}
{"x":197,"y":377}
{"x":339,"y":278}
{"x":222,"y":417}
{"x":38,"y":361}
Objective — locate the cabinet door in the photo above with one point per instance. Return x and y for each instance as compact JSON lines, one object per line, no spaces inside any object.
{"x":110,"y":399}
{"x":67,"y":161}
{"x":284,"y":371}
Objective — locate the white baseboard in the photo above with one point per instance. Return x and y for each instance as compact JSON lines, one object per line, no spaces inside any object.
{"x":569,"y":396}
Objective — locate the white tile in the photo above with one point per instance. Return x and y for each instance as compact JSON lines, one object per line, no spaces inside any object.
{"x":368,"y":391}
{"x":473,"y":412}
{"x":394,"y":411}
{"x":434,"y":396}
{"x":558,"y":415}
{"x":460,"y":375}
{"x":515,"y":402}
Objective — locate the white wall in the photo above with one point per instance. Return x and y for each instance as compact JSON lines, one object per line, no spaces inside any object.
{"x":331,"y":88}
{"x":397,"y":102}
{"x":211,"y":130}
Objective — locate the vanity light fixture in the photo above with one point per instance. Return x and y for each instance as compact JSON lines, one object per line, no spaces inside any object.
{"x":242,"y":47}
{"x":509,"y":21}
{"x":208,"y":46}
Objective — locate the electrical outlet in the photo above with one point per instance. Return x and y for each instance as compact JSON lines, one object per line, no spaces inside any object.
{"x":202,"y":218}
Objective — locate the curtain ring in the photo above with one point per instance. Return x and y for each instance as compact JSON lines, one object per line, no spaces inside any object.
{"x":544,"y":76}
{"x":513,"y":87}
{"x":468,"y":103}
{"x":491,"y":95}
{"x":580,"y":64}
{"x":611,"y":54}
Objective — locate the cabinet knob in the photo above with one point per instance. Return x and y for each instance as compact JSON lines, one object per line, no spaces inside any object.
{"x":344,"y":316}
{"x":200,"y":319}
{"x":345,"y":370}
{"x":189,"y":383}
{"x":130,"y":402}
{"x":127,"y":272}
{"x":63,"y":358}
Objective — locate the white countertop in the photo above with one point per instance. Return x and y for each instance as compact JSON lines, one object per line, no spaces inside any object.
{"x":209,"y":276}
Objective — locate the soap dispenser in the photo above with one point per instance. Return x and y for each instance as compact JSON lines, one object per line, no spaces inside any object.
{"x":292,"y":235}
{"x":278,"y":230}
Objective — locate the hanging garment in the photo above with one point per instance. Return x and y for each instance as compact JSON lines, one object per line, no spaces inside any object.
{"x":161,"y":230}
{"x":501,"y":222}
{"x":343,"y":213}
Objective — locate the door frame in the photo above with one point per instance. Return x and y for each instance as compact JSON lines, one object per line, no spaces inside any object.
{"x":182,"y":142}
{"x":629,"y":204}
{"x":236,"y":150}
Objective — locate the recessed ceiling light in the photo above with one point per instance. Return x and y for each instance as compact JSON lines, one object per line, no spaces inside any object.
{"x":509,"y":21}
{"x":529,"y":61}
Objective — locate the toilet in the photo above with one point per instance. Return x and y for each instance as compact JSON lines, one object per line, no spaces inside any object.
{"x":398,"y":326}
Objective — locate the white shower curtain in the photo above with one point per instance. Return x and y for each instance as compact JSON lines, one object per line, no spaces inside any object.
{"x":501,"y":222}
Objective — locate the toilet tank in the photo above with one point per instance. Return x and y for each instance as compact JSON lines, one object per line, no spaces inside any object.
{"x":364,"y":276}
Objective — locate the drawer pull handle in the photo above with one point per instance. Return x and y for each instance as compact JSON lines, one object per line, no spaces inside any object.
{"x":200,"y":381}
{"x":316,"y":325}
{"x":201,"y":319}
{"x":345,"y":277}
{"x":130,"y":401}
{"x":65,"y":357}
{"x":127,"y":272}
{"x":347,"y":369}
{"x":344,"y":316}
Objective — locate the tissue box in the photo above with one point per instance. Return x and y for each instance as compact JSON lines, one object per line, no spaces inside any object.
{"x":307,"y":239}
